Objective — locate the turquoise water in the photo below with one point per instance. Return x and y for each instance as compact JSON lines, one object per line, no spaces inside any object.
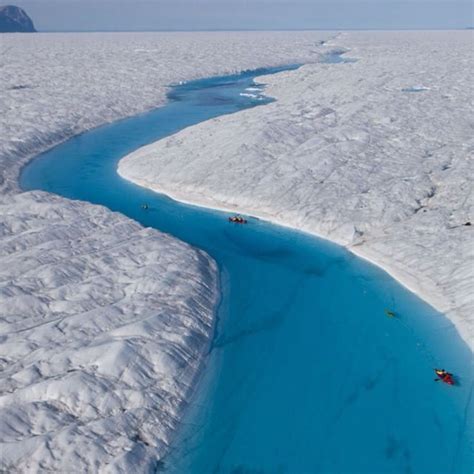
{"x":306,"y":373}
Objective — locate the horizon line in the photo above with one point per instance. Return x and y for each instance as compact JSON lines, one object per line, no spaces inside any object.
{"x":214,"y":30}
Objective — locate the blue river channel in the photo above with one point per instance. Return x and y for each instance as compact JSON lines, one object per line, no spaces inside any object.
{"x":306,"y":373}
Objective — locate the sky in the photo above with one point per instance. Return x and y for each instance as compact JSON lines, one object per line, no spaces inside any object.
{"x":151,"y":15}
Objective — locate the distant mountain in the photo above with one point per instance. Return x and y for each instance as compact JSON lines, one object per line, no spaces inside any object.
{"x":14,"y":19}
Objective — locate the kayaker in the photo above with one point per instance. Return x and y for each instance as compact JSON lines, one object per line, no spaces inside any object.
{"x":237,"y":220}
{"x":444,"y":376}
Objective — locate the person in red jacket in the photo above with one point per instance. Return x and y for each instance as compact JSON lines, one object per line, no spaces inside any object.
{"x":444,"y":376}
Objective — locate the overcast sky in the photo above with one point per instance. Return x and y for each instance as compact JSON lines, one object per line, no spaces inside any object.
{"x":119,"y":15}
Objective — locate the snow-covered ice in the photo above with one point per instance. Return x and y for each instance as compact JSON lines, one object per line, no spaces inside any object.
{"x":344,"y":153}
{"x":104,"y":323}
{"x":53,"y":86}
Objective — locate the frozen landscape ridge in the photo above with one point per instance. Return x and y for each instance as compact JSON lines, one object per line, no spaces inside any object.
{"x":375,"y":155}
{"x":104,"y":324}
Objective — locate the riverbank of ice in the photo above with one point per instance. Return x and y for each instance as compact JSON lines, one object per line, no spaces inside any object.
{"x":104,"y":324}
{"x":348,"y":154}
{"x":57,"y":85}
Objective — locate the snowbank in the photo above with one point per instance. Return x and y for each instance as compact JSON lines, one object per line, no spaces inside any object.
{"x":346,"y":153}
{"x":104,"y":326}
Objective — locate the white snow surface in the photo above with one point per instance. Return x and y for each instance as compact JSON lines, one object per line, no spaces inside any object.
{"x":53,"y":86}
{"x":346,"y":154}
{"x":104,"y":324}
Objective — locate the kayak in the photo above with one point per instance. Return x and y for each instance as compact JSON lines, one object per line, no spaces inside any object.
{"x":444,"y":376}
{"x":237,"y":220}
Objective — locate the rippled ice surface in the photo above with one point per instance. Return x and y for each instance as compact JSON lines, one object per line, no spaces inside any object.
{"x":306,"y":371}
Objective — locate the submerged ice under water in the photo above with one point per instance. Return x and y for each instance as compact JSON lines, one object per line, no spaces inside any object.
{"x":306,"y":374}
{"x":416,"y":89}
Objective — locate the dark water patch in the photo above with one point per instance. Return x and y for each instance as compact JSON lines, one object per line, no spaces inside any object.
{"x":266,"y":324}
{"x":393,"y":447}
{"x":20,"y":87}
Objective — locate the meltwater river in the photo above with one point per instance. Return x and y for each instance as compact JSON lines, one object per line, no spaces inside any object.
{"x":306,"y":374}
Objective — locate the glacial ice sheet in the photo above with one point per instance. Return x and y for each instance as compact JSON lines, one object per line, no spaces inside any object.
{"x":103,"y":323}
{"x":346,"y":154}
{"x":53,"y":86}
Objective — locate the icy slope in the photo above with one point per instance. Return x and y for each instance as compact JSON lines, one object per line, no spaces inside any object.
{"x":104,"y":325}
{"x":350,"y":153}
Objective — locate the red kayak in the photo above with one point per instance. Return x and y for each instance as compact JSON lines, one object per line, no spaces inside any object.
{"x":444,"y":376}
